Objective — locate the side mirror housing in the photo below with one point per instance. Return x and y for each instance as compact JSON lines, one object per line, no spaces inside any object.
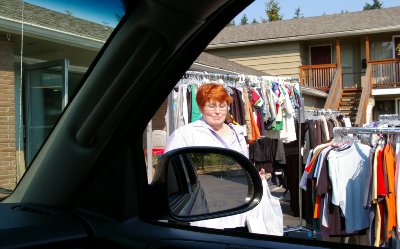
{"x":199,"y":183}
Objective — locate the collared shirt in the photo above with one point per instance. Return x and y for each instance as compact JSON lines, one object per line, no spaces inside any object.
{"x":199,"y":133}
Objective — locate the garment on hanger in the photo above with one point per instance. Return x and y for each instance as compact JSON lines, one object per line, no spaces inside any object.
{"x":356,"y":192}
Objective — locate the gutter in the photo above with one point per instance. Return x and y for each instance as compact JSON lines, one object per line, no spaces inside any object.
{"x":49,"y":34}
{"x":394,"y":28}
{"x":215,"y":69}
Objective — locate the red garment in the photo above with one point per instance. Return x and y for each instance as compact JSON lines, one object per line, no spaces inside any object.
{"x":255,"y":97}
{"x":381,"y":186}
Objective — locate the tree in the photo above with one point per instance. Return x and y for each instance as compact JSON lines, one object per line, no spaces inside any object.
{"x":297,"y":13}
{"x":232,"y":23}
{"x":272,"y":10}
{"x":376,"y":5}
{"x":244,"y":20}
{"x":126,"y":7}
{"x":254,"y":21}
{"x":68,"y":12}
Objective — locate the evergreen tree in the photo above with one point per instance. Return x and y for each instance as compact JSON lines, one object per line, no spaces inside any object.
{"x":376,"y":5}
{"x":297,"y":13}
{"x":272,"y":10}
{"x":254,"y":21}
{"x":68,"y":12}
{"x":244,"y":20}
{"x":125,"y":8}
{"x":232,"y":23}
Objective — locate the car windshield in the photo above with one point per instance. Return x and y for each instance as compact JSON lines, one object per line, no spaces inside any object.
{"x":47,"y":47}
{"x":288,"y":78}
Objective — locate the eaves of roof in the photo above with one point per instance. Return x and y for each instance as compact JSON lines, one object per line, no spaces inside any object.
{"x":216,"y":62}
{"x":327,"y":26}
{"x":51,"y":25}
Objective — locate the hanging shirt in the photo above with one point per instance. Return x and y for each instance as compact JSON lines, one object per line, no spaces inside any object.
{"x":389,"y":164}
{"x":348,"y":171}
{"x":196,"y":115}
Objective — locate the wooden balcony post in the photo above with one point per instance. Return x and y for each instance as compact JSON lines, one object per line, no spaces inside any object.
{"x":338,"y":53}
{"x":367,"y":55}
{"x":367,"y":58}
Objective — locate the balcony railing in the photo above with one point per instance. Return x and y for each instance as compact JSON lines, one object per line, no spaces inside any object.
{"x":385,"y":73}
{"x":317,"y":76}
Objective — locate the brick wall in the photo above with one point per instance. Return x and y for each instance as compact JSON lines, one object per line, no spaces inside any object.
{"x":7,"y":117}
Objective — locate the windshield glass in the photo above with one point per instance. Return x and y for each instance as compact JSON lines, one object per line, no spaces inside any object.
{"x":291,"y":76}
{"x":46,"y":48}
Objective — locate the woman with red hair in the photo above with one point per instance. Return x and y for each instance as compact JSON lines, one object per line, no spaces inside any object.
{"x":211,"y":130}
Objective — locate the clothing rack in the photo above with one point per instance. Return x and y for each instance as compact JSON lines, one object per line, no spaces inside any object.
{"x":217,"y":76}
{"x":385,"y":117}
{"x":248,"y":81}
{"x":300,"y":166}
{"x":317,"y":112}
{"x":365,"y":130}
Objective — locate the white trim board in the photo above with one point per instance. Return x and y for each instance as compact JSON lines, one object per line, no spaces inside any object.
{"x":387,"y":91}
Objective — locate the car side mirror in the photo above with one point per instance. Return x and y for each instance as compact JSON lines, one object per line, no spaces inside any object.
{"x":197,"y":183}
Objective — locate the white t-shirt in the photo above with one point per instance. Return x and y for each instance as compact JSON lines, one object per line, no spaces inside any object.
{"x":348,"y":171}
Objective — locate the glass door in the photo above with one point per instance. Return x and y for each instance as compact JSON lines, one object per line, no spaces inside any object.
{"x":46,"y":95}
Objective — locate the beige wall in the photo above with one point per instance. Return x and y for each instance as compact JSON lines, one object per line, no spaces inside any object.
{"x":274,"y":59}
{"x":313,"y":102}
{"x":7,"y":117}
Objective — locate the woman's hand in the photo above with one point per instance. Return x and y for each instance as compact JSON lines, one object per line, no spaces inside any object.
{"x":262,"y":174}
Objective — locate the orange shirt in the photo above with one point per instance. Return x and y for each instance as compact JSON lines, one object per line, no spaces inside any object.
{"x":390,"y":164}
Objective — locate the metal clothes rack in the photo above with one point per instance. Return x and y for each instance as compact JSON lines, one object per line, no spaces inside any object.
{"x":300,"y":166}
{"x":365,"y":130}
{"x":384,"y":117}
{"x":316,"y":112}
{"x":389,"y":119}
{"x":217,"y":76}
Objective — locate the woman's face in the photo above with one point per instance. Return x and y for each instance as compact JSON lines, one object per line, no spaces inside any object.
{"x":214,"y":113}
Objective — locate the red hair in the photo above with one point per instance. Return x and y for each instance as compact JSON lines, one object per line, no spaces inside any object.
{"x":212,"y":92}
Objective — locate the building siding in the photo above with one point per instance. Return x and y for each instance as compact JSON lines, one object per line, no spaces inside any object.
{"x":274,"y":59}
{"x":7,"y":117}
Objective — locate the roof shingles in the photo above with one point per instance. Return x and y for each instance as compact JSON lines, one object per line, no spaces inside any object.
{"x":326,"y":24}
{"x":36,"y":15}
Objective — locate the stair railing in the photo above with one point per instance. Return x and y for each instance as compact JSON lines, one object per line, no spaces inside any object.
{"x":365,"y":95}
{"x":335,"y":91}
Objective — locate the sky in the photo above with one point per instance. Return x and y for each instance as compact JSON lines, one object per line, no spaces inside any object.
{"x":98,"y":11}
{"x":309,"y":8}
{"x":87,"y":8}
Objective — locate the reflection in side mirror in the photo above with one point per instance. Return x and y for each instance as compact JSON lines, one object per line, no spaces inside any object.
{"x":203,"y":183}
